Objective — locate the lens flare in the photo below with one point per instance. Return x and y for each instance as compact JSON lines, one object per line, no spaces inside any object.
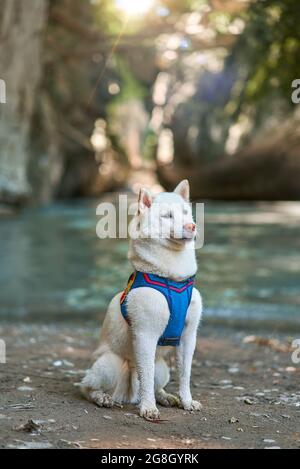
{"x":134,"y":7}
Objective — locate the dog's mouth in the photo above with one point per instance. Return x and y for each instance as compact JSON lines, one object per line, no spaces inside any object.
{"x":182,"y":240}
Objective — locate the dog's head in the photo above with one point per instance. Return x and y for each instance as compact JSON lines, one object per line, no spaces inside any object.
{"x":167,"y":217}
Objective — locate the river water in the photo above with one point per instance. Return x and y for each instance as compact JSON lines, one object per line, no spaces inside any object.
{"x":53,"y":266}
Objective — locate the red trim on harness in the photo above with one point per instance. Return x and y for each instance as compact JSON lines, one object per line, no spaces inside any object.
{"x":123,"y":296}
{"x":178,"y":290}
{"x":127,"y":289}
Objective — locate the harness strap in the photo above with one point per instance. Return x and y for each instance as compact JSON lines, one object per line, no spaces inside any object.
{"x":177,"y":294}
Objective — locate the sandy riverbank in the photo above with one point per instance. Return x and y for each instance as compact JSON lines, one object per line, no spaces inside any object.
{"x":250,"y":394}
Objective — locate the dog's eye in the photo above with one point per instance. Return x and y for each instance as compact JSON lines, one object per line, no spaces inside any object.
{"x":167,"y":215}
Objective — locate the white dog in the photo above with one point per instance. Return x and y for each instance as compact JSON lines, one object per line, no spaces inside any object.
{"x":130,"y":364}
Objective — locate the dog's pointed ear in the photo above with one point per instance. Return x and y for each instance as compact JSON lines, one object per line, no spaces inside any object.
{"x":183,"y":189}
{"x":145,"y":200}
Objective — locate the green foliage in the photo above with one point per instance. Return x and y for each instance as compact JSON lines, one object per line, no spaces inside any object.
{"x":182,"y":6}
{"x":107,"y":16}
{"x":270,"y":46}
{"x":150,"y":145}
{"x":130,"y":86}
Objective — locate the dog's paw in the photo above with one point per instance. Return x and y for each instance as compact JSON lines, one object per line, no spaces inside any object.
{"x":167,"y":400}
{"x":102,"y":400}
{"x":149,"y":413}
{"x":192,"y":406}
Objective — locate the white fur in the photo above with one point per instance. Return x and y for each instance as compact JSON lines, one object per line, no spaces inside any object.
{"x":129,"y":366}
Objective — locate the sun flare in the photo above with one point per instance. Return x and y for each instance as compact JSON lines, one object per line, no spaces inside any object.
{"x":134,"y":7}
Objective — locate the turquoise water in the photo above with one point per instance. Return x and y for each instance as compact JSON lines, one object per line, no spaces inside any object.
{"x":54,"y":266}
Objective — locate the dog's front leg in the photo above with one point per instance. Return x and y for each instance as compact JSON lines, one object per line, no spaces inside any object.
{"x":145,"y":348}
{"x":185,"y":353}
{"x":149,"y":313}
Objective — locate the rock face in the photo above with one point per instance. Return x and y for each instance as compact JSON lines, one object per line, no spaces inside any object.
{"x":21,"y":38}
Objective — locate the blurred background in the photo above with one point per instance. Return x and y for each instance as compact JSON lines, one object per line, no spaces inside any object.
{"x":106,"y":96}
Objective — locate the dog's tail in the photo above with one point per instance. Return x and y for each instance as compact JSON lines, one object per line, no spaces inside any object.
{"x":127,"y":389}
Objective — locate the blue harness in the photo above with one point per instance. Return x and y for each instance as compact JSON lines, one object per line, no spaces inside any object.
{"x":178,"y":296}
